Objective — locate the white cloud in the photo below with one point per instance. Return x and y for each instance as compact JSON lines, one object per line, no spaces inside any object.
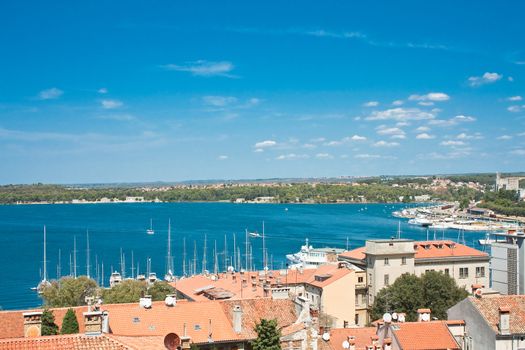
{"x":397,"y":103}
{"x":111,"y":104}
{"x":318,"y":139}
{"x":324,"y":156}
{"x":452,"y":121}
{"x":367,"y":156}
{"x":423,"y":129}
{"x":222,"y":157}
{"x":358,"y":138}
{"x":515,"y":108}
{"x":265,"y":144}
{"x":384,"y":130}
{"x":118,"y":117}
{"x":292,"y":156}
{"x":431,"y":96}
{"x":401,"y":114}
{"x":452,"y":143}
{"x":504,"y":137}
{"x":371,"y":104}
{"x":204,"y":68}
{"x":386,"y":144}
{"x":424,"y":136}
{"x":50,"y":94}
{"x":425,"y":103}
{"x":465,"y":136}
{"x":515,"y":98}
{"x":102,"y":91}
{"x":486,"y":78}
{"x":258,"y":150}
{"x":309,"y":146}
{"x":219,"y":101}
{"x":446,"y":156}
{"x":518,"y":152}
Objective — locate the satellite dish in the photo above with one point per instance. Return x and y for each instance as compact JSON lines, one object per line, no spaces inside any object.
{"x":171,"y":341}
{"x":387,"y":318}
{"x":394,"y":316}
{"x":425,"y":317}
{"x":326,"y":336}
{"x":170,"y":300}
{"x":231,"y":269}
{"x":401,"y":318}
{"x":346,"y":344}
{"x":145,"y":303}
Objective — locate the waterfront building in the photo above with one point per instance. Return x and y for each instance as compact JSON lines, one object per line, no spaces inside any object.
{"x":507,"y":263}
{"x":492,"y":322}
{"x":328,"y":290}
{"x":396,"y":335}
{"x":384,"y":260}
{"x":226,"y":325}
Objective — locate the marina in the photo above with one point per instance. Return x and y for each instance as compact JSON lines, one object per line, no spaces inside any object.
{"x":199,"y":237}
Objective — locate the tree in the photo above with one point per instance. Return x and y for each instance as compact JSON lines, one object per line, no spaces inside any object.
{"x":69,"y":291}
{"x":159,"y":290}
{"x":433,"y":290}
{"x":49,"y":327}
{"x":128,"y":291}
{"x":268,"y":336}
{"x":69,"y":323}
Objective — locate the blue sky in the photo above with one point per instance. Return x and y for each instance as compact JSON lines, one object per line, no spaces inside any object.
{"x":111,"y":91}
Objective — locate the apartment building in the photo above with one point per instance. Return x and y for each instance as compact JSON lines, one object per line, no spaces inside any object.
{"x":508,"y":263}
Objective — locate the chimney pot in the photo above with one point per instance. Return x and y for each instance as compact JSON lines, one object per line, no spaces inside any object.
{"x":32,"y":324}
{"x":504,"y":320}
{"x":93,"y":322}
{"x":237,"y":319}
{"x":423,"y":315}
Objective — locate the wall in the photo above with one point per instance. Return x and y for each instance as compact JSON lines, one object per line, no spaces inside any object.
{"x":483,"y":336}
{"x":454,"y":266}
{"x":338,"y":299}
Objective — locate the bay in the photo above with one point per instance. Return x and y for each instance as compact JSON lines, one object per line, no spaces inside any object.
{"x":115,"y":226}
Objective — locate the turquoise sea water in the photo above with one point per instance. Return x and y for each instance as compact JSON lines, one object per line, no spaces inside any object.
{"x":115,"y":226}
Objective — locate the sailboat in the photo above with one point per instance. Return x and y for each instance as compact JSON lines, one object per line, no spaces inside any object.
{"x":169,"y":268}
{"x":44,"y":283}
{"x":150,"y":231}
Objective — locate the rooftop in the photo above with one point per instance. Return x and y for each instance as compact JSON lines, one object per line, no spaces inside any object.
{"x":427,"y":250}
{"x":63,"y":342}
{"x":489,"y":308}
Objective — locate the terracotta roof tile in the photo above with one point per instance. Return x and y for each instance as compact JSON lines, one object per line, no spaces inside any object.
{"x":428,"y":250}
{"x":425,"y":336}
{"x":62,"y":342}
{"x":489,"y":309}
{"x":362,"y":337}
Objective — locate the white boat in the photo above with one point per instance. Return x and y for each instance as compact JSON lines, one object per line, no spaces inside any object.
{"x":310,"y":257}
{"x":115,"y":279}
{"x":420,"y":221}
{"x":254,"y":234}
{"x":169,"y":277}
{"x":150,"y":231}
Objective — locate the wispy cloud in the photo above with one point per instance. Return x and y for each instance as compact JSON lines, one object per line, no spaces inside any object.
{"x":452,"y":143}
{"x":371,"y":104}
{"x":102,"y":91}
{"x":292,"y":156}
{"x":425,"y":136}
{"x":344,"y":140}
{"x":431,"y":96}
{"x":401,"y":114}
{"x":260,"y":146}
{"x":465,"y":136}
{"x":514,"y":98}
{"x":383,"y":143}
{"x":504,"y":137}
{"x":324,"y":156}
{"x":486,"y":78}
{"x":452,"y":121}
{"x":516,"y":108}
{"x":219,"y":101}
{"x":204,"y":68}
{"x":50,"y":94}
{"x":118,"y":117}
{"x":393,"y":132}
{"x":222,"y":157}
{"x":111,"y":104}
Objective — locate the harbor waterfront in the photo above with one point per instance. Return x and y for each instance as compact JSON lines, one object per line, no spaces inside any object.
{"x":113,"y":227}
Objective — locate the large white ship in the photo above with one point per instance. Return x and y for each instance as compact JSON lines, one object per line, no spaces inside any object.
{"x":309,"y":257}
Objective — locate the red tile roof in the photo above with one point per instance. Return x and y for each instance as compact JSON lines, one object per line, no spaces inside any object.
{"x":362,"y":338}
{"x":433,"y":335}
{"x":63,"y":342}
{"x":428,"y":250}
{"x":489,"y":308}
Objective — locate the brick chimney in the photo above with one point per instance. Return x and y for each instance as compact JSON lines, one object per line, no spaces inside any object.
{"x":237,"y":319}
{"x":476,"y":290}
{"x":93,"y":322}
{"x":504,"y":320}
{"x":423,"y":315}
{"x":32,"y":324}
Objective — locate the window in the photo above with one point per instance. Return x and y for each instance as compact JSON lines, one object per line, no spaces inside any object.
{"x":463,"y":272}
{"x":480,"y":271}
{"x":404,"y":260}
{"x":447,"y":272}
{"x":356,"y":319}
{"x":387,"y":261}
{"x":360,"y":279}
{"x":387,"y":280}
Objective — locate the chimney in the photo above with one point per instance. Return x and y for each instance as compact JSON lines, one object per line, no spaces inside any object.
{"x":477,"y":290}
{"x":93,"y":322}
{"x":423,"y":315}
{"x":237,"y":319}
{"x":387,"y":344}
{"x":105,"y":322}
{"x":32,"y":324}
{"x":504,"y":320}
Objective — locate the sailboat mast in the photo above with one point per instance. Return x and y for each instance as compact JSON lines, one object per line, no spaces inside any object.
{"x":169,"y":268}
{"x":234,"y":259}
{"x":59,"y":268}
{"x":225,"y":254}
{"x":88,"y":267}
{"x":246,"y":251}
{"x":215,"y":261}
{"x":184,"y":256}
{"x":102,"y":279}
{"x":194,"y":257}
{"x":132,"y":265}
{"x":75,"y":256}
{"x":264,"y":247}
{"x":45,"y":256}
{"x":204,"y":262}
